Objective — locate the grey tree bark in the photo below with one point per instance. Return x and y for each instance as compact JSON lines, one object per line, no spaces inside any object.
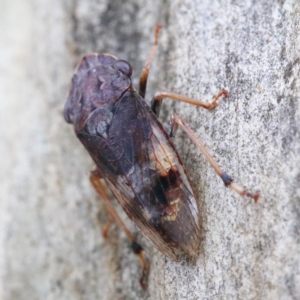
{"x":51,"y":219}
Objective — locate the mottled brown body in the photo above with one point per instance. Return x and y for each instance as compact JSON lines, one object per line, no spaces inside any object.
{"x":133,"y":154}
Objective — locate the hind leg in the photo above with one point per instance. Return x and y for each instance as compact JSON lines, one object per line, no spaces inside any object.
{"x":137,"y":249}
{"x":228,"y":181}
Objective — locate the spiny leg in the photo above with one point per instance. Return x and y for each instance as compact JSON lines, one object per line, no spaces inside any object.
{"x":145,"y":71}
{"x":228,"y":181}
{"x":158,"y":97}
{"x":137,"y":249}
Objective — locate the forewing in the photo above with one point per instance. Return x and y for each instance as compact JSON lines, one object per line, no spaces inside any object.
{"x":142,"y":168}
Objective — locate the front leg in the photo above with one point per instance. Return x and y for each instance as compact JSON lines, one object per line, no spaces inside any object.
{"x":145,"y":71}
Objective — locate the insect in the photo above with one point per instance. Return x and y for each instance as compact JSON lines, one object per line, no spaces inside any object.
{"x":135,"y":156}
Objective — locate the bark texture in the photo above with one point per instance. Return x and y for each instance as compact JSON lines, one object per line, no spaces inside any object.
{"x":50,"y":218}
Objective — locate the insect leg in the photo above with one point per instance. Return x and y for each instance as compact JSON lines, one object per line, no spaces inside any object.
{"x":228,"y":181}
{"x":107,"y":227}
{"x":158,"y":97}
{"x":137,"y":249}
{"x":145,"y":71}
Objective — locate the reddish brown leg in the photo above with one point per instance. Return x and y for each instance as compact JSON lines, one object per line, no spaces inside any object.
{"x":137,"y":249}
{"x":107,"y":227}
{"x":228,"y":181}
{"x":145,"y":71}
{"x":158,"y":97}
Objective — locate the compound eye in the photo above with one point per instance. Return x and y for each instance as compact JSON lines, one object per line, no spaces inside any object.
{"x":124,"y":67}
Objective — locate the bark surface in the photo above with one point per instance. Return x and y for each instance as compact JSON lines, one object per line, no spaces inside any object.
{"x":51,"y":246}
